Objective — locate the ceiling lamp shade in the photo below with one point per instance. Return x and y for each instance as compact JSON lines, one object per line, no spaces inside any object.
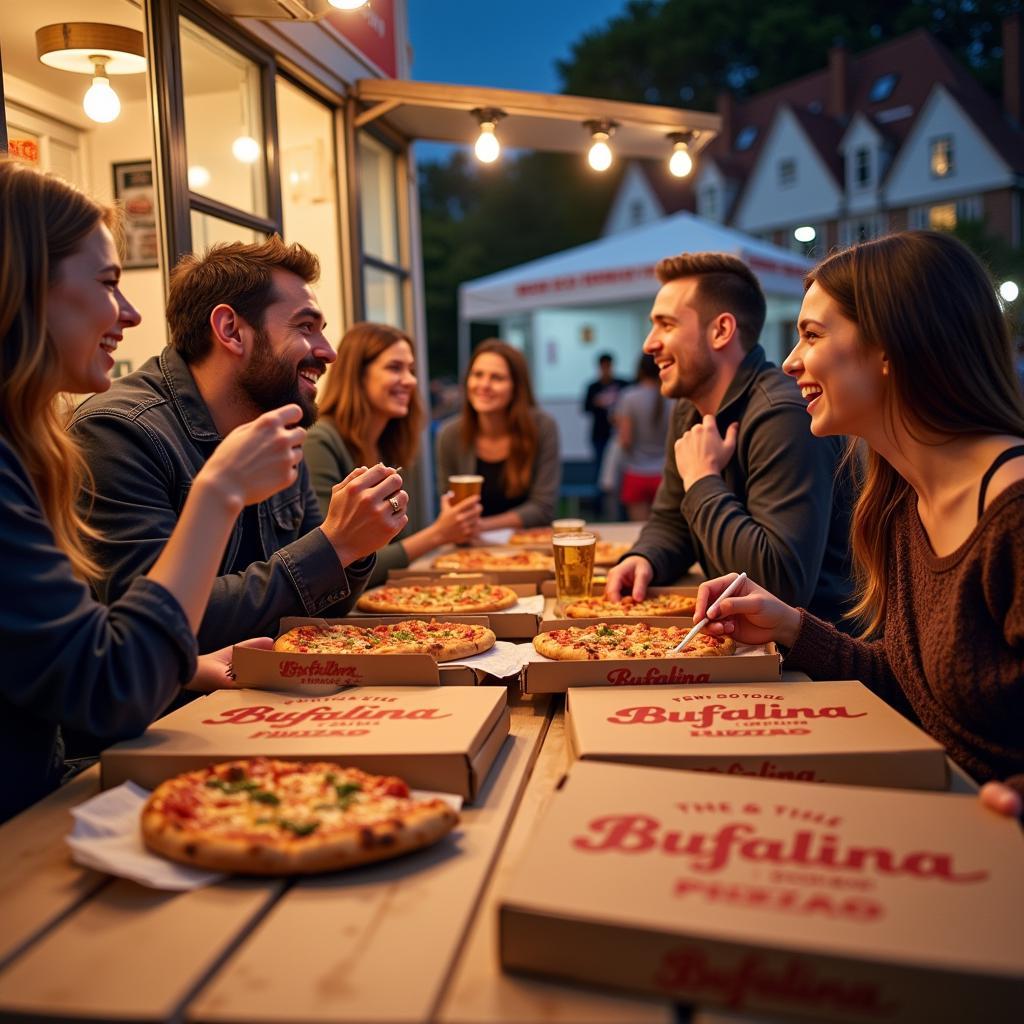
{"x":75,"y":45}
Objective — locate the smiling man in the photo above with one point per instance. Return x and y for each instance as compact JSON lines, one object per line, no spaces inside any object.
{"x":247,"y":335}
{"x":745,"y":485}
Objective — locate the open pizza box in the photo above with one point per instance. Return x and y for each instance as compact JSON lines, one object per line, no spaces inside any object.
{"x":315,"y":674}
{"x":520,"y":622}
{"x":815,"y":732}
{"x":821,"y":902}
{"x":553,"y":610}
{"x":436,"y":738}
{"x":750,"y":665}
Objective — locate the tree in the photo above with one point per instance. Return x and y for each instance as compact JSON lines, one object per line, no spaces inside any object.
{"x":677,"y":52}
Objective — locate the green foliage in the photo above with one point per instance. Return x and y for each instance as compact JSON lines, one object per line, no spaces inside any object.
{"x":479,"y":220}
{"x":1004,"y":261}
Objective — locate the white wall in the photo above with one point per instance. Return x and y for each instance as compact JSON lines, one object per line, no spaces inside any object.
{"x":814,"y":196}
{"x":634,"y":204}
{"x":977,"y":167}
{"x":862,"y":135}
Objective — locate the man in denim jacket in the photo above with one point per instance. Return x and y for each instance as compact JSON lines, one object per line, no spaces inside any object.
{"x":247,"y":335}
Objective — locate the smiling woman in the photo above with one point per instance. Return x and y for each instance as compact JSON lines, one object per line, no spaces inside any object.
{"x":370,"y":412}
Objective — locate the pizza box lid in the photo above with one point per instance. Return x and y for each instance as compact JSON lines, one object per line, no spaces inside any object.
{"x":508,"y":624}
{"x":827,"y":901}
{"x":553,"y":612}
{"x":315,"y":674}
{"x":441,"y":738}
{"x":836,"y":732}
{"x":762,"y":664}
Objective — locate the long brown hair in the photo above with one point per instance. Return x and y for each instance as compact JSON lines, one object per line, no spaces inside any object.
{"x":44,"y":221}
{"x":925,"y":301}
{"x":344,"y":398}
{"x":522,"y":426}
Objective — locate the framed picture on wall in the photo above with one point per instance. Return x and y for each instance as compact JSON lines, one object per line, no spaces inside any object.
{"x":134,"y":192}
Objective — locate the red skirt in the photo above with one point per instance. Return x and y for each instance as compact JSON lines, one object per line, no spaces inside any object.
{"x":638,"y":488}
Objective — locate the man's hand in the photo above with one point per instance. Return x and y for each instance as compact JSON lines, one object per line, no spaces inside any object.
{"x":633,"y":574}
{"x":362,"y":516}
{"x":702,"y":451}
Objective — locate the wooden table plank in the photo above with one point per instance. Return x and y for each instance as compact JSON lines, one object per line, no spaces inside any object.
{"x":377,"y":944}
{"x":480,"y":992}
{"x":39,"y":883}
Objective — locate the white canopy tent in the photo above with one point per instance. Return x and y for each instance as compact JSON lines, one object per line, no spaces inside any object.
{"x":565,"y":308}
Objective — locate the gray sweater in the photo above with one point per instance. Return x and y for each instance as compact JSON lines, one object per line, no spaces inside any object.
{"x":453,"y":457}
{"x":778,"y":511}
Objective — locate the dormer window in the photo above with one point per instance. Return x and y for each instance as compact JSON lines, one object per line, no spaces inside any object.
{"x":941,"y":158}
{"x":747,"y":137}
{"x":882,"y":87}
{"x":787,"y":172}
{"x":862,"y":167}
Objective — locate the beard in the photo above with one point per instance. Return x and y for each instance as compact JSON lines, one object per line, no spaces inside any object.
{"x":268,"y":382}
{"x":691,"y":378}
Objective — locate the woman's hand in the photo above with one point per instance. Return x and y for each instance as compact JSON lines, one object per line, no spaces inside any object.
{"x":457,"y":524}
{"x":213,"y":671}
{"x":257,"y":459}
{"x":750,"y":615}
{"x":1002,"y":799}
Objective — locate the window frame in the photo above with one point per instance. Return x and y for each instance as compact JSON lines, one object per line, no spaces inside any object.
{"x":786,"y":170}
{"x":934,"y":142}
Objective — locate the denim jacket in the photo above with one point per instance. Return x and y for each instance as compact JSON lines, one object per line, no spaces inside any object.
{"x":145,"y":440}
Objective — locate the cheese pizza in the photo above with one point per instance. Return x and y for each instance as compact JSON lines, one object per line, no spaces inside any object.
{"x":599,"y":607}
{"x":443,"y":641}
{"x":607,"y":641}
{"x":430,"y":599}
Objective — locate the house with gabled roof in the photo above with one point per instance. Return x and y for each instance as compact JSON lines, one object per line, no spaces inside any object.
{"x":898,"y":136}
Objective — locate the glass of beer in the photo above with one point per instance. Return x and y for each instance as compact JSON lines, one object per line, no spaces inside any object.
{"x":574,"y":564}
{"x":464,"y":486}
{"x":568,"y":526}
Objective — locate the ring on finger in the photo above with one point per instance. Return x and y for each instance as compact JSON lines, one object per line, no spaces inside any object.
{"x":395,"y":507}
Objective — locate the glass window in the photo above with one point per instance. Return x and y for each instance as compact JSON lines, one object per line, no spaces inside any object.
{"x":746,"y":137}
{"x":383,"y":296}
{"x":942,"y":217}
{"x":207,"y":231}
{"x":309,"y":191}
{"x":378,"y":185}
{"x":882,"y":87}
{"x":787,"y":172}
{"x":941,"y":161}
{"x":223,"y":122}
{"x":709,"y":202}
{"x":862,"y":167}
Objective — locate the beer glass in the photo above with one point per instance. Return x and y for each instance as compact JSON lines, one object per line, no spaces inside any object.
{"x":574,"y":564}
{"x":568,"y":526}
{"x":464,"y":486}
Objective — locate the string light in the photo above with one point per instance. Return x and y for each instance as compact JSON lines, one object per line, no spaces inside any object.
{"x":600,"y":156}
{"x":680,"y":164}
{"x":487,"y":147}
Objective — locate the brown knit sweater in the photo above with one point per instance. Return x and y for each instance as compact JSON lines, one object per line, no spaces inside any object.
{"x":952,"y":655}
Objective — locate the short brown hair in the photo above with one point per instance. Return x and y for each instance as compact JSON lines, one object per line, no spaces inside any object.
{"x":725,"y":284}
{"x":235,"y":274}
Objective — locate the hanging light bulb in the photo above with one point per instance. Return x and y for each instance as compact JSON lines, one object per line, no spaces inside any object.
{"x":101,"y":102}
{"x":680,"y":163}
{"x":245,"y":149}
{"x":600,"y":154}
{"x":348,"y":5}
{"x":487,"y":145}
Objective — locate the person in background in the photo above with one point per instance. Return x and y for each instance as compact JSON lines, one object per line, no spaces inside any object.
{"x":247,"y":334}
{"x":641,"y":419}
{"x":938,"y":527}
{"x":598,"y":402}
{"x":370,"y":412}
{"x":744,"y":487}
{"x":502,"y":436}
{"x":69,"y":660}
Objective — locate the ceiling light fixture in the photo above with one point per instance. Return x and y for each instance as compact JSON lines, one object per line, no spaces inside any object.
{"x":487,"y":146}
{"x":600,"y":155}
{"x":91,"y":48}
{"x":348,"y":5}
{"x":681,"y":162}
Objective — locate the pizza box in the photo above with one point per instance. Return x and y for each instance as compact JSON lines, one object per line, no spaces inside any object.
{"x":510,"y":624}
{"x":313,"y":674}
{"x":436,"y":738}
{"x":812,"y":732}
{"x":553,"y":612}
{"x":822,"y":902}
{"x":758,"y":665}
{"x":425,"y":567}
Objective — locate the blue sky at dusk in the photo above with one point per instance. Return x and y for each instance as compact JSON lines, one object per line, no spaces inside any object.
{"x":501,"y":45}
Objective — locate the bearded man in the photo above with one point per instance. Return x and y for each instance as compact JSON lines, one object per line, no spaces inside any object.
{"x":246,"y":336}
{"x":746,"y":486}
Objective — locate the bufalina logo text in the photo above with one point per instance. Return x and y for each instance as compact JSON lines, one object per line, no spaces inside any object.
{"x":714,"y":851}
{"x":624,"y":677}
{"x":358,"y":712}
{"x":705,"y":716}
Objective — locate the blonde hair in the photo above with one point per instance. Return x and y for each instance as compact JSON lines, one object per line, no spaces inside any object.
{"x":45,"y":220}
{"x":344,"y":399}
